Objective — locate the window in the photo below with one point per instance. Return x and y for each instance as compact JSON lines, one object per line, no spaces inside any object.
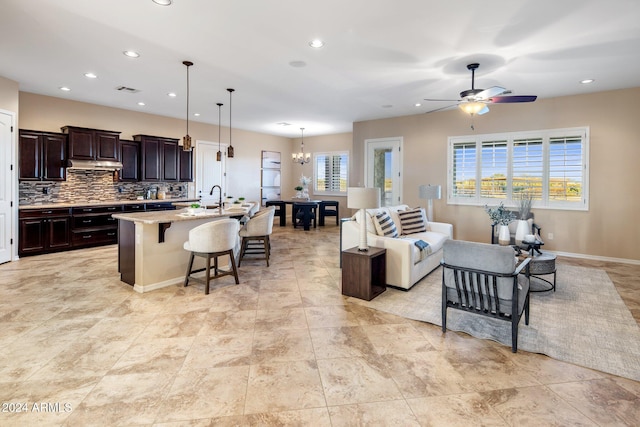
{"x":330,"y":173}
{"x":553,"y":164}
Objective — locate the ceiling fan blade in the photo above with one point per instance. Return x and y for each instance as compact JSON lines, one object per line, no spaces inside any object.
{"x":483,"y":111}
{"x":442,"y":108}
{"x":511,"y":99}
{"x":442,"y":100}
{"x":491,"y":92}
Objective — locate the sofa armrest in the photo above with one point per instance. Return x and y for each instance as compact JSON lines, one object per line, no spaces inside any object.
{"x":441,"y":227}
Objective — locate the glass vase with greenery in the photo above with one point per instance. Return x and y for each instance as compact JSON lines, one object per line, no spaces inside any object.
{"x":499,"y":215}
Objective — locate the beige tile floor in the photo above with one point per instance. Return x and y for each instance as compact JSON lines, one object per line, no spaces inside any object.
{"x":79,"y":347}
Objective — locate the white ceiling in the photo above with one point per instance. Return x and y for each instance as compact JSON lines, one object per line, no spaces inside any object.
{"x":381,"y":57}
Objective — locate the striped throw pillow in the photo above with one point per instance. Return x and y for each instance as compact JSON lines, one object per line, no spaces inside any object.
{"x":385,"y":225}
{"x":412,"y":221}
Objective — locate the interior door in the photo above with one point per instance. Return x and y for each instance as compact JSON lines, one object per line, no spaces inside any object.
{"x":209,"y":171}
{"x":383,"y":164}
{"x":6,"y":181}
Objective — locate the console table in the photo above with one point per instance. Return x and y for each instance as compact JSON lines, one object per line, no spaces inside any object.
{"x":364,"y":273}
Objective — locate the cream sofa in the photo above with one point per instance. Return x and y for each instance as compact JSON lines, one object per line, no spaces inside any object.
{"x":406,"y":264}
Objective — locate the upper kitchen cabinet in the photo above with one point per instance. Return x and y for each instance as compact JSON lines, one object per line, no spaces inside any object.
{"x":186,"y":165}
{"x":161,"y":159}
{"x":93,"y":144}
{"x":42,"y":156}
{"x":130,"y":157}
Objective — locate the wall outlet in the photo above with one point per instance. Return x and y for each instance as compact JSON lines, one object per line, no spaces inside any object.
{"x":550,"y":236}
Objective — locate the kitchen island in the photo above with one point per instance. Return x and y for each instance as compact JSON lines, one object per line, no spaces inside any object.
{"x":150,"y":252}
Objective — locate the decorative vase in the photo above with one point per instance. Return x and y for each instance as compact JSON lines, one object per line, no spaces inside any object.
{"x":305,"y":192}
{"x":504,"y":237}
{"x":522,"y":229}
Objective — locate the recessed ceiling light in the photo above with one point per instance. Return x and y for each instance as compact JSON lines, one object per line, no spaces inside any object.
{"x":142,"y":104}
{"x":65,"y":89}
{"x":196,"y":114}
{"x":283,"y":124}
{"x":131,"y":54}
{"x":90,"y":76}
{"x":163,"y":2}
{"x":172,"y":94}
{"x":298,"y":64}
{"x":316,"y":43}
{"x":417,"y":104}
{"x":587,"y":81}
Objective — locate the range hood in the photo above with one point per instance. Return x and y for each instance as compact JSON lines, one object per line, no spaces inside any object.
{"x":104,"y":165}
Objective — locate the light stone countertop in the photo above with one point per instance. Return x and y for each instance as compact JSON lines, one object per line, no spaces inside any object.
{"x":157,"y":217}
{"x":105,"y":203}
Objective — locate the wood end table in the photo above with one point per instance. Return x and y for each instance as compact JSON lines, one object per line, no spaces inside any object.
{"x":364,"y":273}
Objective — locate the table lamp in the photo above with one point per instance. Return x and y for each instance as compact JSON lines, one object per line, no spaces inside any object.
{"x":430,"y":192}
{"x":363,"y":198}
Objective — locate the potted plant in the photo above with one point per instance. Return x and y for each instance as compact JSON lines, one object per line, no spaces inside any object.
{"x":228,"y":202}
{"x":241,"y":200}
{"x":193,"y":208}
{"x":298,"y":190}
{"x":501,"y":217}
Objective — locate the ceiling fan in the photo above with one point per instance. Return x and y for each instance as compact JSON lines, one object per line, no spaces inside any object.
{"x":474,"y":101}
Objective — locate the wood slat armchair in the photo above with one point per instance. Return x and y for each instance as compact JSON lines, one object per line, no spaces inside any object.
{"x":485,"y":279}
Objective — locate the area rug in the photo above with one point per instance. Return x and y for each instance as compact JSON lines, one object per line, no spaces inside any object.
{"x":585,"y":322}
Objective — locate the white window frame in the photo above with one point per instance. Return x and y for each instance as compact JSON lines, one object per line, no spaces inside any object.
{"x":315,"y":173}
{"x":546,"y":136}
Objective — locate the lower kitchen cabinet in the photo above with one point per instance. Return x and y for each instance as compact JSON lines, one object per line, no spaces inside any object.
{"x":94,"y":225}
{"x":59,"y":229}
{"x":44,"y":230}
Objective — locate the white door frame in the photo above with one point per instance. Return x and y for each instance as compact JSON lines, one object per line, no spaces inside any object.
{"x":204,"y":159}
{"x":8,"y":187}
{"x":395,"y":144}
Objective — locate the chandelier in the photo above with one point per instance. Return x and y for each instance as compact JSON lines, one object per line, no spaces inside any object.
{"x":301,"y":157}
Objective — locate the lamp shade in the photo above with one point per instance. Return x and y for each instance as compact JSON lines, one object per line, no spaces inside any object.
{"x":430,"y":192}
{"x":363,"y":198}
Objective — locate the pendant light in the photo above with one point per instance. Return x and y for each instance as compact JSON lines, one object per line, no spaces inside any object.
{"x":230,"y":149}
{"x":301,"y":157}
{"x":219,"y":153}
{"x":186,"y":141}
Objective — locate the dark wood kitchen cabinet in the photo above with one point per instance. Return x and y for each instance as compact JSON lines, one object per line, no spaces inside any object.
{"x":159,"y":158}
{"x":42,"y":156}
{"x":92,"y":144}
{"x":94,"y":225}
{"x":44,"y":230}
{"x":130,"y":158}
{"x":186,"y":166}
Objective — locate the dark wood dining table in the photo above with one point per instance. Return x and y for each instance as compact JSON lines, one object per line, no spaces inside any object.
{"x":306,"y":217}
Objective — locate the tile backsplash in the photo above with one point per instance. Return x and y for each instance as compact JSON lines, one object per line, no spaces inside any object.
{"x":91,"y":186}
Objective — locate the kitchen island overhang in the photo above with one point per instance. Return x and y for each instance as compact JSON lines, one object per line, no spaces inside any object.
{"x":150,"y":245}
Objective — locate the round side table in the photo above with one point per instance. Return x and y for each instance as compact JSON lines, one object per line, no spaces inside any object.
{"x":542,"y":265}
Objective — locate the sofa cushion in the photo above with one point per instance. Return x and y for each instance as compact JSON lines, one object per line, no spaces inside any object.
{"x":412,"y":221}
{"x":385,"y":225}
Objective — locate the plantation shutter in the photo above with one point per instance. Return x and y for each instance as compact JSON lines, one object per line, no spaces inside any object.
{"x":565,"y":168}
{"x":464,"y":169}
{"x":494,"y":169}
{"x":528,"y":166}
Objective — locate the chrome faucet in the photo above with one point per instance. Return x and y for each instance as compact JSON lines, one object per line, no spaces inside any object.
{"x":220,"y":196}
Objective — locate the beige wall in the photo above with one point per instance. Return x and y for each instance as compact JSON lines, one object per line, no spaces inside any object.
{"x":315,"y":144}
{"x":608,"y":229}
{"x":243,"y":171}
{"x":8,"y":95}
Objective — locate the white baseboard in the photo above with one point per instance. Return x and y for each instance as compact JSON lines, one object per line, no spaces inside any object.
{"x":596,"y":257}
